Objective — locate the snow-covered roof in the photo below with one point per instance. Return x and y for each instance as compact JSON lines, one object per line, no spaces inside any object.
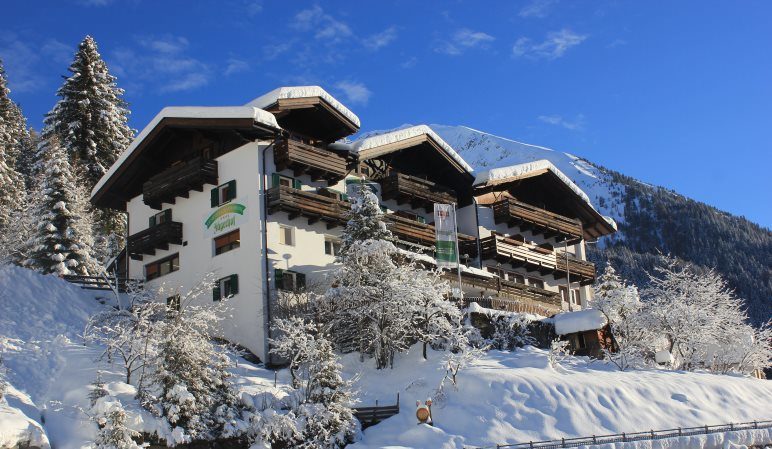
{"x":222,"y":112}
{"x":273,"y":96}
{"x":580,"y":321}
{"x":390,"y":137}
{"x":513,"y":172}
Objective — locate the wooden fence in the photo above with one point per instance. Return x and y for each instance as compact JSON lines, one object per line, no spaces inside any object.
{"x":637,"y":436}
{"x":369,"y":416}
{"x":99,"y":282}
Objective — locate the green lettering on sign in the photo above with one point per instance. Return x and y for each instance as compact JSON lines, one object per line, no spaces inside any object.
{"x":225,"y":210}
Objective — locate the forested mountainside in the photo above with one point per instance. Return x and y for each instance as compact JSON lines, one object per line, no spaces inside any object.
{"x":651,"y":219}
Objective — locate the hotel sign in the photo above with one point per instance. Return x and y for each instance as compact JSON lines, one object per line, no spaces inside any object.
{"x":225,"y":218}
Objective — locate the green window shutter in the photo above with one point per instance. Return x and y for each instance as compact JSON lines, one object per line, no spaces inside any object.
{"x":277,"y":279}
{"x":151,"y":221}
{"x":297,"y":184}
{"x":301,"y":281}
{"x":231,"y":190}
{"x":275,"y":178}
{"x":216,"y":292}
{"x":168,"y":215}
{"x":344,"y":196}
{"x":215,"y":197}
{"x":234,"y":284}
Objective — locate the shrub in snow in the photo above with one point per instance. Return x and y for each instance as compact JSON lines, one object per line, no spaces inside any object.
{"x":510,"y":331}
{"x":318,"y":415}
{"x":113,"y":432}
{"x":98,"y":390}
{"x":559,"y":351}
{"x":3,"y":382}
{"x":703,"y":324}
{"x":621,"y":305}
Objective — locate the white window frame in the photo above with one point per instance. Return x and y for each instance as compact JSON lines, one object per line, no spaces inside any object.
{"x":282,"y":235}
{"x":334,"y":245}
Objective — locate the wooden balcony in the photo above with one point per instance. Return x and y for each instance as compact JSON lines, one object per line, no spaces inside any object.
{"x":416,"y":191}
{"x":178,"y":180}
{"x":302,"y":158}
{"x":509,"y":295}
{"x":310,"y":205}
{"x":423,"y":234}
{"x":532,"y":257}
{"x":528,"y":217}
{"x":157,"y":237}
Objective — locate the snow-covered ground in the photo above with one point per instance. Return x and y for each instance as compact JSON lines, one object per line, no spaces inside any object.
{"x":503,"y":397}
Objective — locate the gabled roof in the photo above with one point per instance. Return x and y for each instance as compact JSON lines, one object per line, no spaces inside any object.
{"x":226,"y":117}
{"x":287,"y":92}
{"x":385,"y":143}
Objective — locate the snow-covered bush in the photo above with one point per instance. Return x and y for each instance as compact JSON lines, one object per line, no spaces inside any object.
{"x":113,"y":432}
{"x":510,"y":331}
{"x":702,"y":322}
{"x":621,"y":305}
{"x":98,"y":390}
{"x":559,"y":351}
{"x":3,"y":382}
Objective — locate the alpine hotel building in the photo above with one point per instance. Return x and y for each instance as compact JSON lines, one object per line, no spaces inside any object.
{"x":257,"y":194}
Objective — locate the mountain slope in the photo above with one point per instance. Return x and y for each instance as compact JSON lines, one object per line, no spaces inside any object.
{"x":651,"y":219}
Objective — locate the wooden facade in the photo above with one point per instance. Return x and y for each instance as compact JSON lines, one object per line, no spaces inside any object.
{"x":416,"y":191}
{"x":537,"y":220}
{"x":178,"y":180}
{"x":303,"y":158}
{"x":156,"y":237}
{"x":501,"y":294}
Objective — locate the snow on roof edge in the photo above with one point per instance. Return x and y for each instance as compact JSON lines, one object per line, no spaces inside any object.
{"x":273,"y":96}
{"x":579,"y":321}
{"x":402,"y":134}
{"x":257,"y":114}
{"x":501,"y":174}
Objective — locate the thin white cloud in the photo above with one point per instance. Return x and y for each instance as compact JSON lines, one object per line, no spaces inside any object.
{"x":575,"y":124}
{"x":58,"y":52}
{"x":537,"y":9}
{"x":162,"y":63}
{"x":254,"y":7}
{"x":556,"y":44}
{"x":382,"y":39}
{"x":324,"y":26}
{"x":20,"y":60}
{"x":409,"y":62}
{"x":464,"y":39}
{"x":236,"y":66}
{"x":355,"y":92}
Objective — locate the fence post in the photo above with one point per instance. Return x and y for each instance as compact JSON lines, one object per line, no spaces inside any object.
{"x":376,"y":408}
{"x":564,"y":441}
{"x":706,"y":429}
{"x":731,"y":426}
{"x":652,"y":434}
{"x":624,"y":438}
{"x":530,"y":444}
{"x":594,"y":441}
{"x":755,"y":424}
{"x":679,"y":431}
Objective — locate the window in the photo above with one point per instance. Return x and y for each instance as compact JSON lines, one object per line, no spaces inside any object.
{"x":576,"y":297}
{"x":223,"y":193}
{"x":289,"y":280}
{"x":563,"y":293}
{"x":160,"y":218}
{"x":334,"y":194}
{"x":287,"y":235}
{"x":173,"y":303}
{"x":285,"y":181}
{"x":534,"y":282}
{"x":225,"y":288}
{"x":162,"y":267}
{"x":514,"y":277}
{"x":331,"y":246}
{"x":227,"y":242}
{"x":492,"y":270}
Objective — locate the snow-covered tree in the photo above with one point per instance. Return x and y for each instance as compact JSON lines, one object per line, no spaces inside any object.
{"x":559,"y":351}
{"x":621,"y":305}
{"x":98,"y":389}
{"x":190,"y":375}
{"x":91,"y":122}
{"x":113,"y":433}
{"x":510,"y":331}
{"x":62,"y":242}
{"x":13,"y":124}
{"x":696,"y":314}
{"x":436,"y":320}
{"x":13,"y":129}
{"x":3,"y":382}
{"x":365,"y":220}
{"x":91,"y":116}
{"x":319,"y":414}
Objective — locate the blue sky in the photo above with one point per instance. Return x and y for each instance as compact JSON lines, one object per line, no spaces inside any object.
{"x":677,"y":94}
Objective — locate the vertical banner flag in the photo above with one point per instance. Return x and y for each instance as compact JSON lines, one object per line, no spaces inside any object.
{"x":445,"y":226}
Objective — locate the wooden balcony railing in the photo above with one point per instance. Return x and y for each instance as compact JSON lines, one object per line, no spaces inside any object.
{"x":157,"y":237}
{"x":302,"y":158}
{"x":510,"y":295}
{"x":536,"y":258}
{"x":416,"y":191}
{"x":311,"y":205}
{"x":178,"y":180}
{"x":423,"y":234}
{"x":528,"y":217}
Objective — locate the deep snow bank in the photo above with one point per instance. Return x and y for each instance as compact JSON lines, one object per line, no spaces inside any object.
{"x":516,"y":397}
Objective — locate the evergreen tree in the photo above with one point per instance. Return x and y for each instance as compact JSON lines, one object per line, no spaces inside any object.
{"x":90,"y":121}
{"x":91,"y":117}
{"x":13,"y":129}
{"x":365,"y":221}
{"x":25,"y":160}
{"x":61,"y":242}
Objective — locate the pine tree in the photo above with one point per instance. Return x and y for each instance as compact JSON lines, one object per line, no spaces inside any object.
{"x":113,"y":432}
{"x":90,"y":121}
{"x":91,"y":117}
{"x":25,"y":160}
{"x":61,"y":242}
{"x":13,"y":131}
{"x":365,"y":221}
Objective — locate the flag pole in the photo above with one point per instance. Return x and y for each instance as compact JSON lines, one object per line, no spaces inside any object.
{"x":458,"y":251}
